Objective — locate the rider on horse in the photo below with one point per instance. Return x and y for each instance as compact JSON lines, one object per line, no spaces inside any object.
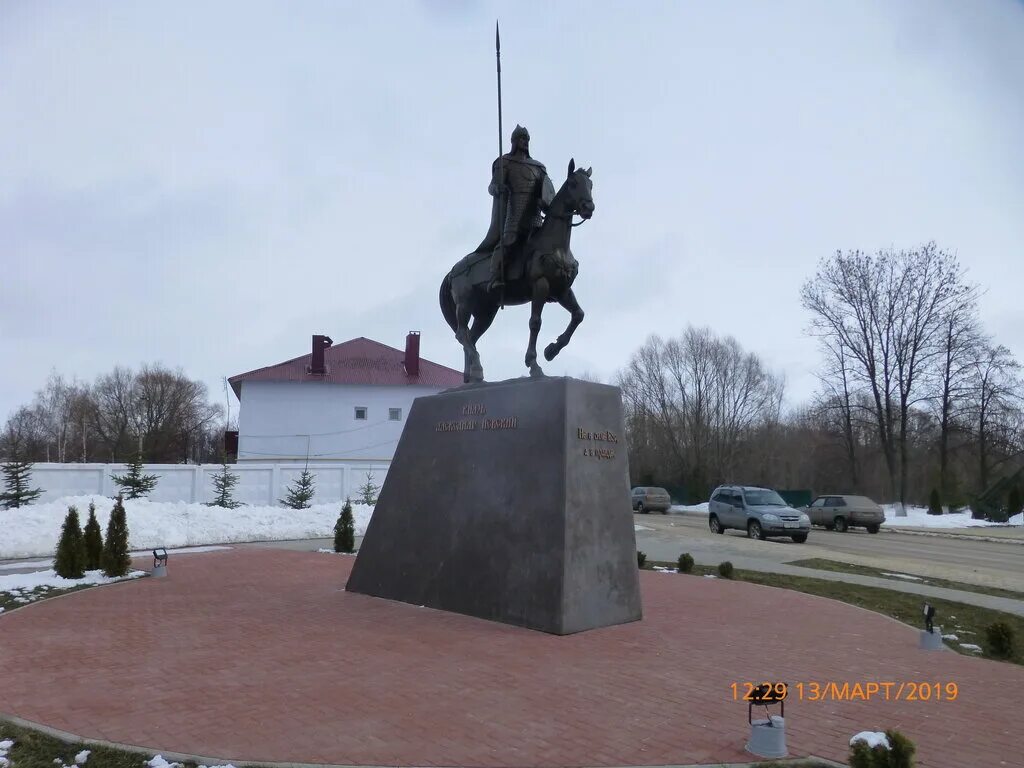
{"x":522,"y":191}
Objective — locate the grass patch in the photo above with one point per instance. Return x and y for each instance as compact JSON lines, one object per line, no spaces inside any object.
{"x":967,"y":622}
{"x":822,"y":564}
{"x":33,"y":749}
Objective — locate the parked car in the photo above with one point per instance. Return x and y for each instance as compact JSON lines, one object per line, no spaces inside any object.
{"x":649,"y":499}
{"x":839,"y":512}
{"x":761,"y":512}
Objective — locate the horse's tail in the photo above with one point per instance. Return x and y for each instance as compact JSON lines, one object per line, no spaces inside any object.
{"x":447,"y":302}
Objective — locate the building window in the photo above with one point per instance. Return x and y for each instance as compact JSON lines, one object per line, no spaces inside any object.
{"x":360,"y":413}
{"x":395,"y":414}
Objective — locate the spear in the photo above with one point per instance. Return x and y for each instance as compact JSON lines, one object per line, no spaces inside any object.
{"x":501,"y":168}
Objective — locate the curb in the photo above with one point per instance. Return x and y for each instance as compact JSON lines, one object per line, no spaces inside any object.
{"x":947,"y":535}
{"x":938,"y":533}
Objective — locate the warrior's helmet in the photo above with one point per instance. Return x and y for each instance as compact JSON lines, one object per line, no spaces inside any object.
{"x":520,"y":134}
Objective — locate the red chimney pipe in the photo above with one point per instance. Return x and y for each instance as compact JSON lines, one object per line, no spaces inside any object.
{"x":412,"y":353}
{"x":316,"y":365}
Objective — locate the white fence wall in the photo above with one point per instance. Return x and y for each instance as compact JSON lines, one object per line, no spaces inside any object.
{"x":258,"y":484}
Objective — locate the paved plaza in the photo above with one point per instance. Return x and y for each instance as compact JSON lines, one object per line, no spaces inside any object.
{"x":260,"y":655}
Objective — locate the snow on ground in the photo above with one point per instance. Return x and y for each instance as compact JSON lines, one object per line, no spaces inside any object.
{"x":637,"y":527}
{"x":22,"y":586}
{"x":902,"y":576}
{"x":918,"y":517}
{"x":5,"y":747}
{"x":971,"y":647}
{"x":33,"y":531}
{"x":698,"y":508}
{"x":82,"y":756}
{"x":871,"y":738}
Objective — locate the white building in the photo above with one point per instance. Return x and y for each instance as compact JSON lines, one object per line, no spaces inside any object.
{"x":343,"y":403}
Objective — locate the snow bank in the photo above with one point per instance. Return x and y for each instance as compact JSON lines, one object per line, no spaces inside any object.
{"x":22,"y":584}
{"x":33,"y":531}
{"x":918,"y":517}
{"x":698,"y":508}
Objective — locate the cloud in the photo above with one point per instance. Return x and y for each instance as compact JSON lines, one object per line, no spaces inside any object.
{"x":209,"y":185}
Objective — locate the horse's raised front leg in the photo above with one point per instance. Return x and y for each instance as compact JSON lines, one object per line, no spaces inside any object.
{"x":567,"y":300}
{"x":540,"y":295}
{"x":472,"y":370}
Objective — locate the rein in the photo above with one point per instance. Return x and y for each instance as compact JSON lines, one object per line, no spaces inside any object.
{"x":567,"y":216}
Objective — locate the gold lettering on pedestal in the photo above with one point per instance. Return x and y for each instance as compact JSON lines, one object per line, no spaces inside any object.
{"x":603,"y":436}
{"x":463,"y":425}
{"x":509,"y":422}
{"x":473,"y":425}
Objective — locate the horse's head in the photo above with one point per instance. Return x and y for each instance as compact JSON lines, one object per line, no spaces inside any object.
{"x":578,"y":187}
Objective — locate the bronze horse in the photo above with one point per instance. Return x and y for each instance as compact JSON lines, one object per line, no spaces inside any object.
{"x":543,"y":272}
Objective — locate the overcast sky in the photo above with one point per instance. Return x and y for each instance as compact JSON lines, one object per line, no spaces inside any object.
{"x":208,"y":184}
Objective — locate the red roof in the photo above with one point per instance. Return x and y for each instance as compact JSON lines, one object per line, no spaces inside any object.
{"x":359,"y":361}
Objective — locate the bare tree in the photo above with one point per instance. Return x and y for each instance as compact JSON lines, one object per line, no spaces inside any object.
{"x":23,"y":436}
{"x":171,"y":413}
{"x":997,"y":400}
{"x":837,"y":401}
{"x":113,"y":412}
{"x":956,"y":365}
{"x":886,"y":311}
{"x":931,"y":286}
{"x":701,"y":397}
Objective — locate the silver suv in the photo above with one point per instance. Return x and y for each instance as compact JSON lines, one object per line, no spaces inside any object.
{"x":760,"y":512}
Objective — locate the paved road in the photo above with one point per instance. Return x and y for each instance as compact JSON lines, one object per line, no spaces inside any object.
{"x":960,"y":559}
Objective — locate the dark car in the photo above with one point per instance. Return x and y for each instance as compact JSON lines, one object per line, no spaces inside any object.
{"x":838,"y":512}
{"x":650,"y":499}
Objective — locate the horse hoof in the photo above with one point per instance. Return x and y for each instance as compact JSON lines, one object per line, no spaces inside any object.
{"x":476,"y":375}
{"x":536,"y":371}
{"x":550,"y":351}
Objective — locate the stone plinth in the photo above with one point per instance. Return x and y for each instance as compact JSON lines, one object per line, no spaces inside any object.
{"x":510,"y":502}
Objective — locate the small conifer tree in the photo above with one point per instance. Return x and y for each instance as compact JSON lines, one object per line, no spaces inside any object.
{"x":69,"y":562}
{"x":134,"y":484}
{"x":934,"y":503}
{"x":345,"y":530}
{"x":368,"y":491}
{"x":116,"y":560}
{"x":93,"y":541}
{"x":301,"y":491}
{"x":1014,"y":503}
{"x":17,"y":492}
{"x":224,"y":484}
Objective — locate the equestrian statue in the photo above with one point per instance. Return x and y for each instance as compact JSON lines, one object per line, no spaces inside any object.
{"x":530,"y":262}
{"x":525,"y":256}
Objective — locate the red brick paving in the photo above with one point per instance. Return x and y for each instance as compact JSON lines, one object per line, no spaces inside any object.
{"x":261,"y":655}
